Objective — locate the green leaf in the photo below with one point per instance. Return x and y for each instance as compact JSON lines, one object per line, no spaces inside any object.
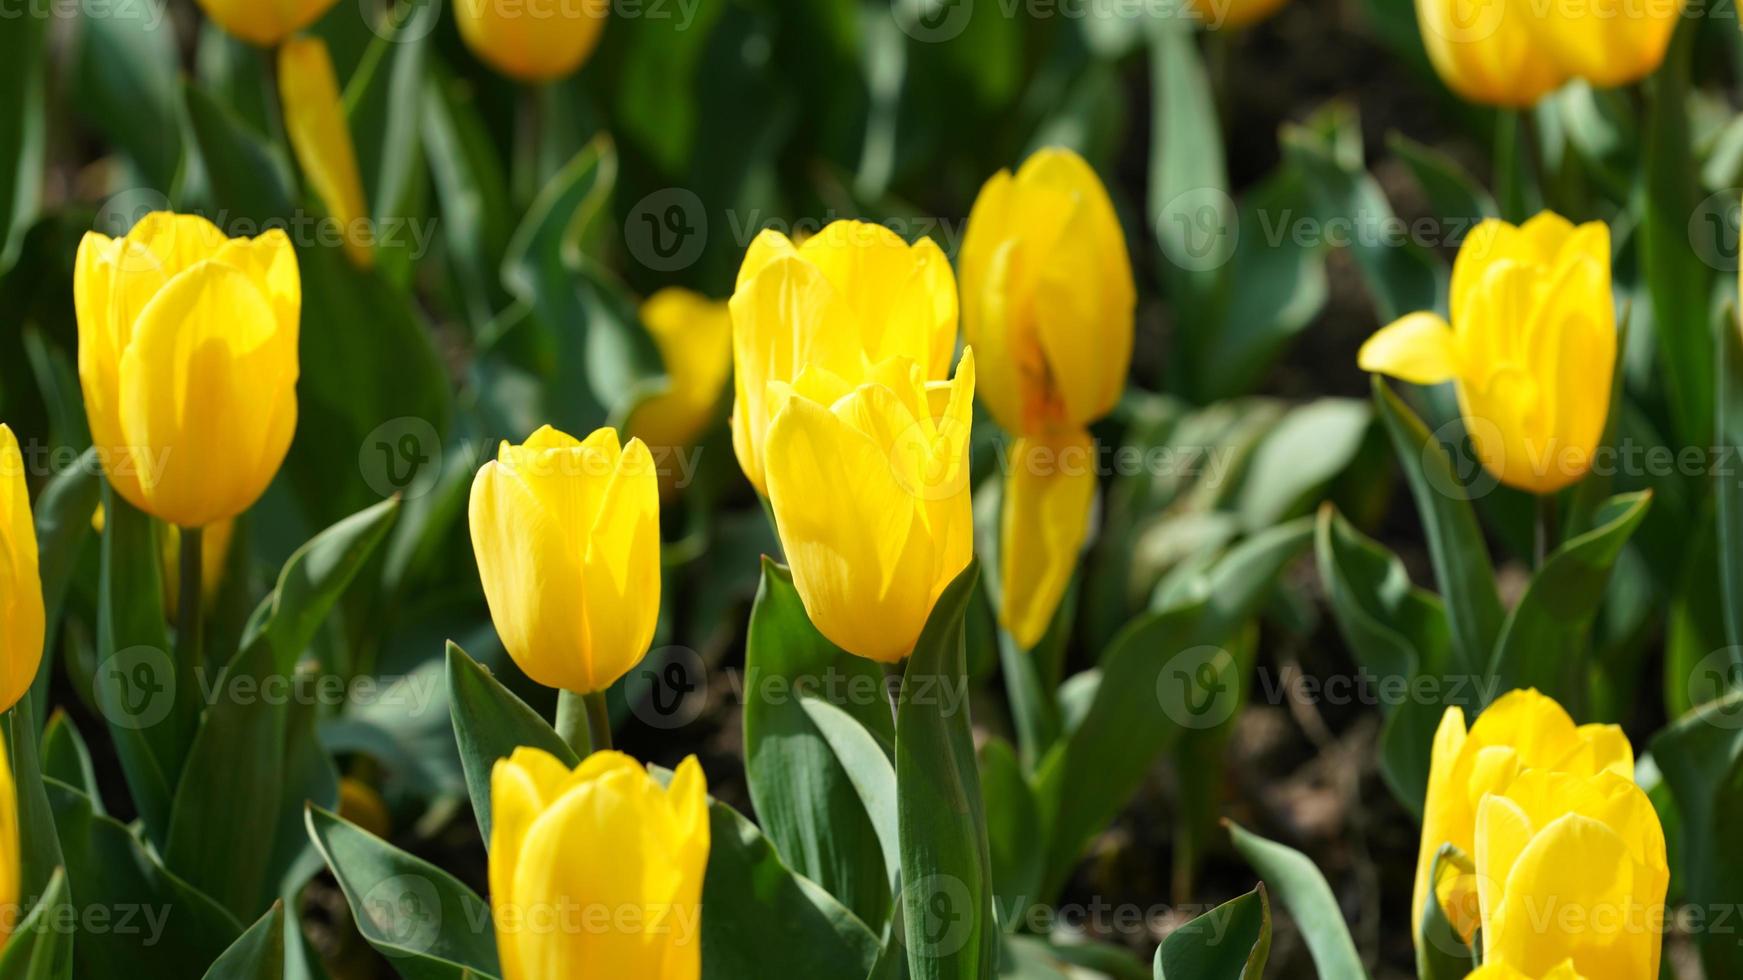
{"x":473,"y":193}
{"x":1013,"y":821}
{"x":1308,"y":900}
{"x":1191,"y":211}
{"x":1701,"y":757}
{"x":1440,"y":953}
{"x":1546,"y":641}
{"x":39,"y":844}
{"x":125,"y":83}
{"x":22,"y":74}
{"x":868,"y":767}
{"x":804,"y":797}
{"x":385,"y":106}
{"x":1230,"y":942}
{"x":65,"y":757}
{"x":108,"y":867}
{"x":258,"y":954}
{"x":314,"y":578}
{"x":1728,"y":494}
{"x":946,"y":896}
{"x":490,"y":722}
{"x":1452,"y":192}
{"x":1456,"y":547}
{"x":250,"y":177}
{"x":40,"y":947}
{"x":427,"y":923}
{"x":1291,"y":467}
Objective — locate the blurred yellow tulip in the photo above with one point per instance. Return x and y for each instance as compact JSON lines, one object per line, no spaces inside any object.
{"x":1047,"y":295}
{"x":1488,"y":51}
{"x":1606,"y":42}
{"x":597,"y":872}
{"x":1531,"y":346}
{"x":188,"y":361}
{"x":314,"y":119}
{"x":362,"y":805}
{"x":1501,"y":971}
{"x":851,"y":297}
{"x":1229,"y":15}
{"x":1572,"y":868}
{"x":11,"y":847}
{"x":694,"y":335}
{"x":567,"y":538}
{"x":21,"y":610}
{"x":1048,"y":494}
{"x":265,"y":22}
{"x":532,"y":40}
{"x":870,"y":492}
{"x":1522,"y":731}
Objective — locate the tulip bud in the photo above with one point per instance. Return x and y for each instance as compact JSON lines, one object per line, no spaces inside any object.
{"x":1487,"y":51}
{"x":567,"y":538}
{"x":21,"y":610}
{"x":1572,"y":868}
{"x":870,"y":492}
{"x":597,"y":872}
{"x":1501,"y":971}
{"x":265,"y":22}
{"x":314,"y":119}
{"x":852,"y":296}
{"x":694,"y":335}
{"x":1047,"y":295}
{"x":188,"y":361}
{"x":1048,"y":497}
{"x":532,"y":40}
{"x":1607,"y":43}
{"x":1520,"y":732}
{"x":1531,"y":347}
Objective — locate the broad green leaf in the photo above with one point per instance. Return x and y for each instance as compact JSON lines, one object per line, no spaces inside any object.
{"x":250,"y":178}
{"x":258,"y":954}
{"x":469,"y":183}
{"x":427,"y":923}
{"x":22,"y":78}
{"x":1452,"y":192}
{"x":1462,"y":568}
{"x":384,"y":103}
{"x":63,"y":512}
{"x":40,"y":947}
{"x":314,"y":578}
{"x":125,"y":83}
{"x":1308,"y":900}
{"x":1013,"y":822}
{"x":1701,"y":758}
{"x":490,"y":722}
{"x":66,"y":757}
{"x":1230,"y":942}
{"x":108,"y":867}
{"x":804,"y":797}
{"x":1547,"y":636}
{"x":1728,"y":494}
{"x":653,"y":98}
{"x":868,"y":767}
{"x":39,"y":845}
{"x":946,"y":898}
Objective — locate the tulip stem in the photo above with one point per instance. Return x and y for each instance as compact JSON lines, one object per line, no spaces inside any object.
{"x":190,"y":590}
{"x":1546,"y":530}
{"x":584,"y":722}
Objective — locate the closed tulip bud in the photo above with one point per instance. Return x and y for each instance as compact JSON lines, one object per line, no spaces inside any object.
{"x":21,"y":610}
{"x":1531,"y":348}
{"x":1608,"y":43}
{"x":851,"y":297}
{"x":188,"y":361}
{"x":265,"y":22}
{"x":314,"y":119}
{"x":1048,"y":496}
{"x":597,"y":871}
{"x":1588,"y":848}
{"x":567,"y":538}
{"x":1047,"y":295}
{"x":1520,"y":732}
{"x":1487,"y":50}
{"x":694,"y":335}
{"x":532,"y":40}
{"x":870,"y":492}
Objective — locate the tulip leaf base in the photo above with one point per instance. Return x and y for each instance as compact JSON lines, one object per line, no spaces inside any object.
{"x":1230,"y":942}
{"x":258,"y":954}
{"x":39,"y":948}
{"x":490,"y":722}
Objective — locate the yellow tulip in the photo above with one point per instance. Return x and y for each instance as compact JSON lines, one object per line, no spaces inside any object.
{"x":532,"y":40}
{"x":11,"y":847}
{"x":1487,"y":50}
{"x":851,"y":297}
{"x":314,"y":119}
{"x":1607,"y":42}
{"x":694,"y":335}
{"x":597,"y":872}
{"x":362,"y":805}
{"x":870,"y":492}
{"x":567,"y":538}
{"x":21,"y":610}
{"x":1531,"y":347}
{"x":1231,"y":15}
{"x":265,"y":22}
{"x":1572,"y":868}
{"x":1501,"y":971}
{"x":1048,"y":496}
{"x":1522,"y":731}
{"x":1047,"y":295}
{"x":188,"y":360}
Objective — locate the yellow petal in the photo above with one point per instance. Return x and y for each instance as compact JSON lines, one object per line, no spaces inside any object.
{"x":694,"y":337}
{"x":532,"y":40}
{"x":621,"y":572}
{"x":1049,"y":491}
{"x":1486,"y":51}
{"x":11,"y":847}
{"x":265,"y":22}
{"x":1418,"y":348}
{"x":1445,"y":817}
{"x":1606,"y":42}
{"x":314,"y":119}
{"x":22,"y":620}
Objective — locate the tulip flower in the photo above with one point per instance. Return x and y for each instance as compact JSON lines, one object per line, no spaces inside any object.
{"x":11,"y":846}
{"x":1501,"y":971}
{"x":597,"y":872}
{"x":1572,"y":868}
{"x":854,"y":295}
{"x":314,"y":119}
{"x":1047,"y":300}
{"x":1487,"y":51}
{"x":1531,"y":347}
{"x":21,"y":610}
{"x":1522,"y":731}
{"x":1607,"y":43}
{"x":694,"y":336}
{"x":532,"y":40}
{"x":188,"y":361}
{"x":265,"y":22}
{"x":567,"y":539}
{"x":871,"y":498}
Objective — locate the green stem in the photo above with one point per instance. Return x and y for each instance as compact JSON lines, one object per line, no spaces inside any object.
{"x":598,"y":720}
{"x":524,"y":176}
{"x":572,"y":723}
{"x":1509,"y":172}
{"x":189,"y":604}
{"x":1546,"y":530}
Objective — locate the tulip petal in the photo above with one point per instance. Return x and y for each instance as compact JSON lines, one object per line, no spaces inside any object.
{"x":1049,"y":491}
{"x":22,"y":615}
{"x":265,"y":22}
{"x":694,"y":336}
{"x":314,"y":119}
{"x":1418,"y":348}
{"x":621,"y":570}
{"x":532,"y":40}
{"x":11,"y":846}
